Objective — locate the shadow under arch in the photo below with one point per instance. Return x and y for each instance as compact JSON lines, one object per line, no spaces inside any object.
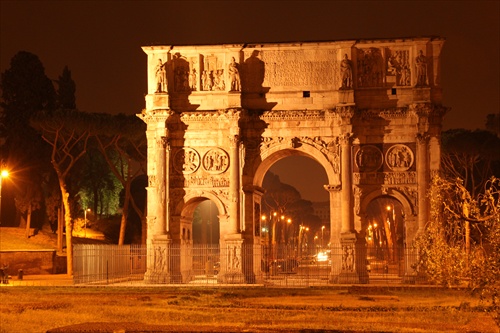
{"x":278,"y":152}
{"x":187,"y":206}
{"x":393,"y":194}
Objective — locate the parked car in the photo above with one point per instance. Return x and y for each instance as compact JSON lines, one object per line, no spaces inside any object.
{"x":282,"y":266}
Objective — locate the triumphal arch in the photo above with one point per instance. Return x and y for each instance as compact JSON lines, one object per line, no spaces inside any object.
{"x":219,"y":116}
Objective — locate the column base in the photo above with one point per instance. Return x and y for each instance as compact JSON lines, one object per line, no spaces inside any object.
{"x":153,"y":277}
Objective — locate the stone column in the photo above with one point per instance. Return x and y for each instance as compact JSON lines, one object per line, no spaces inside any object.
{"x":167,"y":185}
{"x":346,"y":179}
{"x":232,"y":245}
{"x":158,"y":262}
{"x":335,"y":226}
{"x":160,"y":226}
{"x":335,"y":191}
{"x":234,"y":186}
{"x":422,"y":180}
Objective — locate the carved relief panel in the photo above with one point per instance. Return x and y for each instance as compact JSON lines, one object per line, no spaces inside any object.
{"x":399,"y":157}
{"x":192,"y":170}
{"x":215,"y":161}
{"x":186,"y":160}
{"x":212,"y":73}
{"x":384,"y":164}
{"x":398,"y":69}
{"x":368,"y":158}
{"x":181,"y":71}
{"x":370,"y":65}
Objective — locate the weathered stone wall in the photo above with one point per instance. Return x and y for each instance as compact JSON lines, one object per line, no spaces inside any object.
{"x":33,"y":262}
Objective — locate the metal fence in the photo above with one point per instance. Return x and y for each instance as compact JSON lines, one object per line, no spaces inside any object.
{"x":267,"y":265}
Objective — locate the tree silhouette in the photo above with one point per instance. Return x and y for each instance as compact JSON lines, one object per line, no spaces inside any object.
{"x":67,"y":132}
{"x":122,"y":141}
{"x":66,"y":98}
{"x":472,"y":156}
{"x":26,"y":90}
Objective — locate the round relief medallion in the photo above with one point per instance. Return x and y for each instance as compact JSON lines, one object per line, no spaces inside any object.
{"x":186,"y":160}
{"x":215,"y":161}
{"x":399,"y":158}
{"x":369,"y":159}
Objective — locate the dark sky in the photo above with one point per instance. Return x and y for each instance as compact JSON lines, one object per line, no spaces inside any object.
{"x":100,"y":41}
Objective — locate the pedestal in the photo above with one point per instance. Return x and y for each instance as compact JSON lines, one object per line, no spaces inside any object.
{"x":346,"y":96}
{"x":353,"y":267}
{"x":159,"y":261}
{"x":234,"y":99}
{"x":232,"y":266}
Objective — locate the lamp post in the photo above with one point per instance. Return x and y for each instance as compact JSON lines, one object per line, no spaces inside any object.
{"x":3,"y":174}
{"x":289,"y":222}
{"x":85,"y":219}
{"x":322,"y":235}
{"x":273,"y":221}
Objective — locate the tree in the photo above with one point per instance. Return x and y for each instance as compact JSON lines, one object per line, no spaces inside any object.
{"x":493,"y":123}
{"x":26,"y":90}
{"x":123,"y":137}
{"x":67,"y":132}
{"x":98,"y":187}
{"x":278,"y":196}
{"x":472,"y":156}
{"x":66,"y":93}
{"x":446,"y":256}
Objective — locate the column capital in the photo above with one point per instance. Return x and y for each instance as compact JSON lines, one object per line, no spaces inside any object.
{"x":234,"y":140}
{"x":422,"y":138}
{"x":346,"y":138}
{"x":165,"y":141}
{"x":346,"y":112}
{"x":333,"y":187}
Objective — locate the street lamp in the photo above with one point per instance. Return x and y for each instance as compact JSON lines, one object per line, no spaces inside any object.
{"x":85,"y":219}
{"x":322,"y":234}
{"x":289,"y":222}
{"x":3,"y":174}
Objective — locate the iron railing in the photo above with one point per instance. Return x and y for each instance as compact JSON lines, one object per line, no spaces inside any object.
{"x":261,"y":264}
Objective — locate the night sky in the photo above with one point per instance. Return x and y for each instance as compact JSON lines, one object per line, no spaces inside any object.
{"x":100,"y":41}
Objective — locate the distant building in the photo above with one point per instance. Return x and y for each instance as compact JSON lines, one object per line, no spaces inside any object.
{"x":322,"y":210}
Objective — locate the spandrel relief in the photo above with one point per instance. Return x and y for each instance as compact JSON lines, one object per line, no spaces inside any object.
{"x":186,"y":160}
{"x":370,"y":68}
{"x":215,"y":161}
{"x":398,"y":67}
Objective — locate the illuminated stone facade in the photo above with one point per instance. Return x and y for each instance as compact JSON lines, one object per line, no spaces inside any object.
{"x":219,"y":116}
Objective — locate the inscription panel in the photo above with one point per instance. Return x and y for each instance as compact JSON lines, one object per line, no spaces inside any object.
{"x":293,"y":68}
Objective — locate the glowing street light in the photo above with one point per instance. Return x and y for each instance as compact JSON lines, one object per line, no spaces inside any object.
{"x":3,"y":174}
{"x":85,"y":219}
{"x":322,"y":235}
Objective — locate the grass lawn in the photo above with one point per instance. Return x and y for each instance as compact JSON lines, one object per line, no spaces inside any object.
{"x":250,"y":309}
{"x":222,"y":309}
